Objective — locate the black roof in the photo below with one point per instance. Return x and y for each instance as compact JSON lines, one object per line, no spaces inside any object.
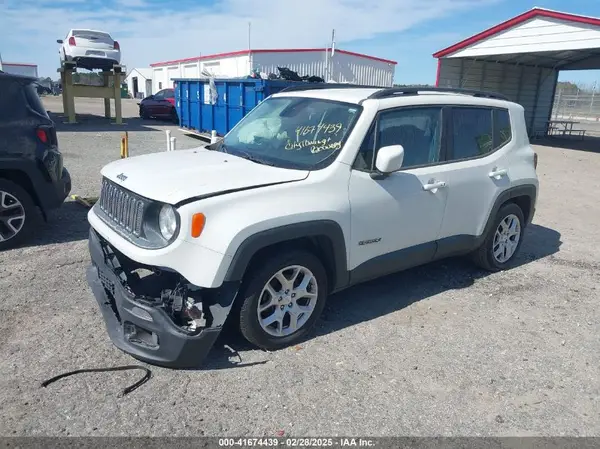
{"x":22,"y":78}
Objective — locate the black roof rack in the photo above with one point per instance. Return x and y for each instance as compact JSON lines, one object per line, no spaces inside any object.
{"x":314,"y":86}
{"x":392,"y":92}
{"x":387,"y":92}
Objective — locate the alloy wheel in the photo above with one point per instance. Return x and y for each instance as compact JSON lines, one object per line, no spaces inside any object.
{"x":506,"y":238}
{"x":12,"y":216}
{"x":287,"y":301}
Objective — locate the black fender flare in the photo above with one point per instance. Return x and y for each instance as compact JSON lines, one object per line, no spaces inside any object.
{"x":29,"y":169}
{"x":329,"y":229}
{"x":527,"y":190}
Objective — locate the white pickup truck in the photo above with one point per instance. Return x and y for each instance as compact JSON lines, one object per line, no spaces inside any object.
{"x":318,"y":188}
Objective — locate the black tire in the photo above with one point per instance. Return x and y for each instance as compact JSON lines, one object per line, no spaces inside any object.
{"x":143,"y":113}
{"x":174,"y":117}
{"x":250,"y":297}
{"x":31,"y":218}
{"x":483,"y":257}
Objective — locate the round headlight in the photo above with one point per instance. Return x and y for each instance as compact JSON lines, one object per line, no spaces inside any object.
{"x":167,"y":221}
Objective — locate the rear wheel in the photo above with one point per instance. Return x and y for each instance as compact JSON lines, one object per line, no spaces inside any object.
{"x":174,"y":117}
{"x":283,"y":300}
{"x":18,"y":214}
{"x":500,"y":247}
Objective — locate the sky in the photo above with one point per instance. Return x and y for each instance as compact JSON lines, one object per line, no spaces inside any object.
{"x":407,"y":31}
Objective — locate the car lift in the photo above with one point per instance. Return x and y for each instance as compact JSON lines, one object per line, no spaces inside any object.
{"x":70,"y":91}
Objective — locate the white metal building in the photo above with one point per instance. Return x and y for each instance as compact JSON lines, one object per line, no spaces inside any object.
{"x":17,"y":68}
{"x":342,"y":67}
{"x":521,"y":58}
{"x":139,"y":82}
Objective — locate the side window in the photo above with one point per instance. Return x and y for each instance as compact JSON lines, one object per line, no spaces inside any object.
{"x":169,"y":93}
{"x":418,"y":130}
{"x":159,"y":95}
{"x":472,"y":132}
{"x":502,"y":130}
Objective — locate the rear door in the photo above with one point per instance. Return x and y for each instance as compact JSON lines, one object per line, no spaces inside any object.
{"x":478,"y":142}
{"x":170,"y":99}
{"x":93,"y":40}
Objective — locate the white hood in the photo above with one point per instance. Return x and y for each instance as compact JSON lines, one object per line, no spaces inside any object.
{"x":175,"y":176}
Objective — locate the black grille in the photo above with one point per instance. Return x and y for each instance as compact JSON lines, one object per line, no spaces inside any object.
{"x":122,"y":207}
{"x":106,"y":283}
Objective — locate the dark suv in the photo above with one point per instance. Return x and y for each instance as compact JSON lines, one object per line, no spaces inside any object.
{"x":32,"y":176}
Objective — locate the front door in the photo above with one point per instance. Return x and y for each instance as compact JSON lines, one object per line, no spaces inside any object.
{"x":395,"y":221}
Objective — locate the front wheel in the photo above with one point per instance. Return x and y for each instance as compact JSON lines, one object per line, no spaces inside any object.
{"x":500,"y":247}
{"x":144,"y":113}
{"x":283,"y":300}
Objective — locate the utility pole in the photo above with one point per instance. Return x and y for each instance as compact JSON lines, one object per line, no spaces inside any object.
{"x":249,"y":47}
{"x":330,"y":57}
{"x":593,"y":94}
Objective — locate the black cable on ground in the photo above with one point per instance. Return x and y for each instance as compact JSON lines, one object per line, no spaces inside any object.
{"x":127,"y":390}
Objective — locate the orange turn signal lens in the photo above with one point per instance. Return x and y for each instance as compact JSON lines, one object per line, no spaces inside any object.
{"x":198,"y":221}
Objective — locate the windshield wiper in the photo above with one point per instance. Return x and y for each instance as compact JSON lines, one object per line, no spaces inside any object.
{"x":244,"y":155}
{"x":222,"y":148}
{"x":255,"y":159}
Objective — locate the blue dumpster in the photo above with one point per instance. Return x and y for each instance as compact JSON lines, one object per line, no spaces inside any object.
{"x":201,"y":111}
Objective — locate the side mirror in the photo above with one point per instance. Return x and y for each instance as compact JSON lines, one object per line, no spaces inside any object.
{"x":59,"y":41}
{"x":389,"y":159}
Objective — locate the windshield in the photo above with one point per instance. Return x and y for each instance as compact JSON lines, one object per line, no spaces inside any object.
{"x":294,"y":132}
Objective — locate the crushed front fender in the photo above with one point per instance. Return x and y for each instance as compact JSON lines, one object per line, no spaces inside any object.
{"x":141,"y":321}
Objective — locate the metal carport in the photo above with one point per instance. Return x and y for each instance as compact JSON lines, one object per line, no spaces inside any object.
{"x":521,"y":58}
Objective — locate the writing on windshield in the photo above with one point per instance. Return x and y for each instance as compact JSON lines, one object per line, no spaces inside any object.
{"x":327,"y":128}
{"x":294,"y":132}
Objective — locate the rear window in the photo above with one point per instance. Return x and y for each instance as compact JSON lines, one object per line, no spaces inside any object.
{"x":91,"y":34}
{"x":34,"y":99}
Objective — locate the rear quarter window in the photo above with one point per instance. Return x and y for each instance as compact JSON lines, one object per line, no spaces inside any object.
{"x":502,"y":129}
{"x":12,"y":101}
{"x":34,"y":99}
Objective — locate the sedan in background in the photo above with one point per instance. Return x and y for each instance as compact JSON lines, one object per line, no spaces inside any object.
{"x":90,"y":49}
{"x":159,"y":105}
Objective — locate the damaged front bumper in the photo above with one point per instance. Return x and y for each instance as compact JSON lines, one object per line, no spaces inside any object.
{"x":159,"y":318}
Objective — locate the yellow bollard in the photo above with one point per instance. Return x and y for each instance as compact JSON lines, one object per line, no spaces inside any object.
{"x":126,"y":144}
{"x":122,"y":147}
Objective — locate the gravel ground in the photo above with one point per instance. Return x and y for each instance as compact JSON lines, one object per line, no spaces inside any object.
{"x":438,"y":350}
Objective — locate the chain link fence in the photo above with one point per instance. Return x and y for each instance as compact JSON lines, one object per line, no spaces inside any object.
{"x":582,"y":106}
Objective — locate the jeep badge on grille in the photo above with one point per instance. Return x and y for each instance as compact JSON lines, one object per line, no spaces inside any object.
{"x":122,"y":177}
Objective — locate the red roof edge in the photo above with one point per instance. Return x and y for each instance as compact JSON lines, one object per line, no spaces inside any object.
{"x":19,"y":64}
{"x":535,"y":12}
{"x":279,"y":50}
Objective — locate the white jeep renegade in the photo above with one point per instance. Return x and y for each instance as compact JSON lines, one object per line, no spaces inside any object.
{"x":318,"y":188}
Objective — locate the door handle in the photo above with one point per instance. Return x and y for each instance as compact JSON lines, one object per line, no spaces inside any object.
{"x":497,"y":173}
{"x":434,"y":185}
